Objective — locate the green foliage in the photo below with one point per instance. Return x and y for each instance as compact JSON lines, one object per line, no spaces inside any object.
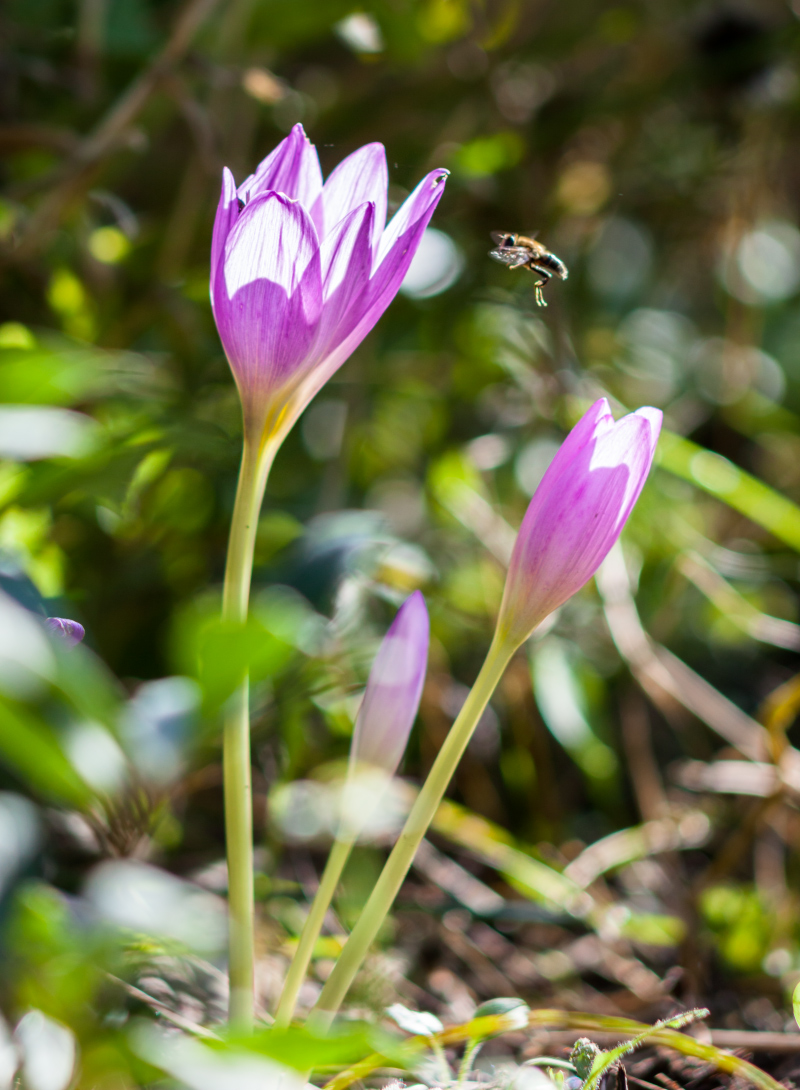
{"x":742,"y":923}
{"x":659,"y":164}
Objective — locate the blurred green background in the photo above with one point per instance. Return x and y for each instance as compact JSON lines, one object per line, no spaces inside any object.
{"x":653,"y":146}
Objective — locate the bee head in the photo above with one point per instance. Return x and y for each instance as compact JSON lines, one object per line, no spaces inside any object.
{"x":503,"y":239}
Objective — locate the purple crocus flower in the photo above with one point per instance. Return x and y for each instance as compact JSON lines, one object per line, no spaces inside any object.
{"x":70,"y":631}
{"x":301,"y":271}
{"x":576,"y":514}
{"x":393,"y":691}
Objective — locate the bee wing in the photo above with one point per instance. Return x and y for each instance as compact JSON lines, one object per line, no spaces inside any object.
{"x":512,"y":256}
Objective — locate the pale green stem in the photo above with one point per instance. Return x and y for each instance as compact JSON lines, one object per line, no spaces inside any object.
{"x":467,"y":1060}
{"x":444,"y":1066}
{"x":422,"y":814}
{"x":339,"y":854}
{"x":256,"y":463}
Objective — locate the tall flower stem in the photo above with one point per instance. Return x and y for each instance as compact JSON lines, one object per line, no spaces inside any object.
{"x":339,"y":854}
{"x":256,"y":462}
{"x":417,"y":823}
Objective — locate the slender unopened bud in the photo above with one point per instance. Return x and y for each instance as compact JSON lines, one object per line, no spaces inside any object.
{"x":393,"y":690}
{"x":576,"y":514}
{"x":70,"y":631}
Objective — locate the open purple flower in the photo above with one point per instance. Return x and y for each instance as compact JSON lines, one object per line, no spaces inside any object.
{"x":576,"y":514}
{"x":301,"y":271}
{"x":393,"y":691}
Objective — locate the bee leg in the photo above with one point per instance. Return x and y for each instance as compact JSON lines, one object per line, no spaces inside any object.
{"x":537,"y":293}
{"x":520,"y":261}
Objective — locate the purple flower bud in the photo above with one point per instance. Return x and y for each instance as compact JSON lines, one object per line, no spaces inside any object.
{"x":394,"y":688}
{"x":576,"y":514}
{"x":70,"y":631}
{"x":301,"y":271}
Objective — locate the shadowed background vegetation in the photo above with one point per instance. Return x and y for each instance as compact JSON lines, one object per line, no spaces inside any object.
{"x":653,"y":146}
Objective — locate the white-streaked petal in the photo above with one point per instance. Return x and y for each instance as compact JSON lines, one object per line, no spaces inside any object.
{"x":227,"y":214}
{"x":292,"y":169}
{"x":411,"y":210}
{"x":273,"y":239}
{"x":362,"y":176}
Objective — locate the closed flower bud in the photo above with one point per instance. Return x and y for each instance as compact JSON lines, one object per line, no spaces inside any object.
{"x":393,"y":691}
{"x":70,"y":631}
{"x":576,"y":514}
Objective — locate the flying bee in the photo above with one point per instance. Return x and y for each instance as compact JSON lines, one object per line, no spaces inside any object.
{"x":521,"y":252}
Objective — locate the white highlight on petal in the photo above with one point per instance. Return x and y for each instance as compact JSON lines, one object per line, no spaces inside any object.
{"x":436,"y":266}
{"x":397,"y":661}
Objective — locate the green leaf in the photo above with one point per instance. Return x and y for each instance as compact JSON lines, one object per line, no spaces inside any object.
{"x":228,"y":652}
{"x":604,"y":1060}
{"x":721,"y":478}
{"x":302,"y":1050}
{"x":31,"y":750}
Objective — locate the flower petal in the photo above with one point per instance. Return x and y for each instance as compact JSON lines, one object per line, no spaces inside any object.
{"x":382,"y":287}
{"x":362,"y":176}
{"x":346,"y":257}
{"x":72,"y":632}
{"x":417,"y":206}
{"x":227,"y":214}
{"x":394,"y":688}
{"x":577,"y":513}
{"x":292,"y":168}
{"x":268,"y":296}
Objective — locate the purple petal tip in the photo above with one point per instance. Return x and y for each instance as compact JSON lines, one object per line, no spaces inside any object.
{"x":70,"y":631}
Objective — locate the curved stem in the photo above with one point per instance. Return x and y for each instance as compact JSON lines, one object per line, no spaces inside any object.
{"x":467,"y":1060}
{"x":339,"y":854}
{"x":422,"y":813}
{"x":256,"y":463}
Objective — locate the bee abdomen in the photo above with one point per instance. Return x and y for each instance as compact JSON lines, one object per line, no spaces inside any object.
{"x":555,"y":264}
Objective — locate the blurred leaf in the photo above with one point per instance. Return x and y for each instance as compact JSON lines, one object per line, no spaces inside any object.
{"x":64,"y":963}
{"x":495,"y":846}
{"x":301,"y":1049}
{"x":31,"y":750}
{"x":487,"y":155}
{"x":653,"y":929}
{"x":721,"y":478}
{"x":228,"y":652}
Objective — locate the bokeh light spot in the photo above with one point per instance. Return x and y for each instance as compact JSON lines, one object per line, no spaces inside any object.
{"x":108,"y":245}
{"x":436,"y":266}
